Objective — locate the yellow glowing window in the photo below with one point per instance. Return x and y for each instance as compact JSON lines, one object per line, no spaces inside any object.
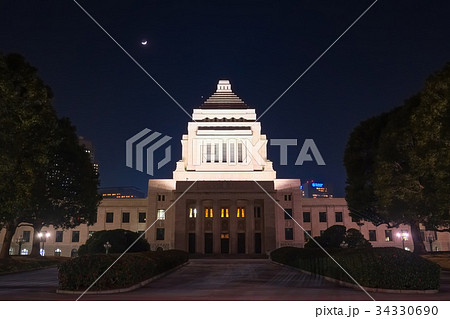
{"x":224,"y":213}
{"x":192,"y":212}
{"x":208,"y":212}
{"x":241,"y":212}
{"x":224,"y":236}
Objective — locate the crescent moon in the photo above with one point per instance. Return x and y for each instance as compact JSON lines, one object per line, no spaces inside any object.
{"x":144,"y":42}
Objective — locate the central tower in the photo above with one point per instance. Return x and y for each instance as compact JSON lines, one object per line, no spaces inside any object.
{"x":224,"y":142}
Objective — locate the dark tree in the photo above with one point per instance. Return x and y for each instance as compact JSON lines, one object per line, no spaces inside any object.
{"x":398,"y":164}
{"x":65,"y":195}
{"x":27,"y":125}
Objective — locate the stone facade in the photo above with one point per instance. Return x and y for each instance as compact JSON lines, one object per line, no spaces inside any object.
{"x":224,"y":197}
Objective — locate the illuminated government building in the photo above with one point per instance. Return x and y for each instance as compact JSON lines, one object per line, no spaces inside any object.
{"x":224,"y":197}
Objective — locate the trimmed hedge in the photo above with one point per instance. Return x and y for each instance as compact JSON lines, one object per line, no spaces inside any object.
{"x":79,"y":273}
{"x":120,"y":239}
{"x":388,"y":268}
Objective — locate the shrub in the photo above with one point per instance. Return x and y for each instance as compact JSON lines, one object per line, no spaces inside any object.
{"x":354,"y":239}
{"x":120,"y":239}
{"x":79,"y":273}
{"x":388,"y":268}
{"x":332,"y":237}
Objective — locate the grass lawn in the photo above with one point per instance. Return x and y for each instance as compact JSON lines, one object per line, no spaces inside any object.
{"x":442,"y":259}
{"x":24,"y":263}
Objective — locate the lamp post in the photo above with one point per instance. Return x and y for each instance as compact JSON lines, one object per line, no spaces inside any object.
{"x":430,"y":240}
{"x":404,"y":236}
{"x":20,"y":241}
{"x":107,"y":246}
{"x":43,"y":238}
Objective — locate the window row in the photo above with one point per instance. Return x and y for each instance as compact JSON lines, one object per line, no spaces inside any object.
{"x":224,"y":212}
{"x":142,"y":217}
{"x":289,"y":234}
{"x":223,"y":152}
{"x":338,"y":216}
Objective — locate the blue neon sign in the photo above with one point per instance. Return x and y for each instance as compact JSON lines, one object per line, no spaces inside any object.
{"x":317,"y":184}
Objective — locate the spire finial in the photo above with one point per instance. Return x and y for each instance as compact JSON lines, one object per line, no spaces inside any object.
{"x":223,"y":86}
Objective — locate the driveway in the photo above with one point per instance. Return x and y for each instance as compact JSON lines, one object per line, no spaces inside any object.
{"x":212,"y":279}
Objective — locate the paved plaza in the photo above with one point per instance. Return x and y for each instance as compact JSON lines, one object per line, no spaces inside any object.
{"x":212,"y":279}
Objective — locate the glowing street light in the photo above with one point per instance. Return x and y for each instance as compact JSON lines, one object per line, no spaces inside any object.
{"x":43,"y":238}
{"x":404,"y":236}
{"x":20,"y":241}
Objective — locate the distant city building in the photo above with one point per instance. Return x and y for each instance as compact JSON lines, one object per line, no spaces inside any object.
{"x":89,"y":149}
{"x":313,"y":189}
{"x":121,"y":192}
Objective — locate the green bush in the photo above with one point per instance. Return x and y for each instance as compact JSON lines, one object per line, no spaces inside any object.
{"x":388,"y":268}
{"x":332,"y":237}
{"x":120,"y":239}
{"x":354,"y":239}
{"x":79,"y":273}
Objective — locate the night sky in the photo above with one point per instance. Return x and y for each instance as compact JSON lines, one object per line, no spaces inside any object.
{"x":260,"y":46}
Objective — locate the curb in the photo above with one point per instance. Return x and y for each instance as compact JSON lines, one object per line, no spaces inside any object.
{"x":368,"y":289}
{"x":119,"y":290}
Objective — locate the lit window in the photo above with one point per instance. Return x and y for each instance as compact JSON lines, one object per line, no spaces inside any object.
{"x":142,"y":217}
{"x":240,"y":212}
{"x":224,"y":213}
{"x":192,"y":212}
{"x":24,"y":252}
{"x":388,"y":235}
{"x":161,"y":214}
{"x":208,"y":212}
{"x":57,"y":252}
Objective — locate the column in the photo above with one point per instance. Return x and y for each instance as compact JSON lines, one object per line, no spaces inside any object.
{"x":216,"y":227}
{"x":250,"y":228}
{"x":233,"y":229}
{"x":200,"y":230}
